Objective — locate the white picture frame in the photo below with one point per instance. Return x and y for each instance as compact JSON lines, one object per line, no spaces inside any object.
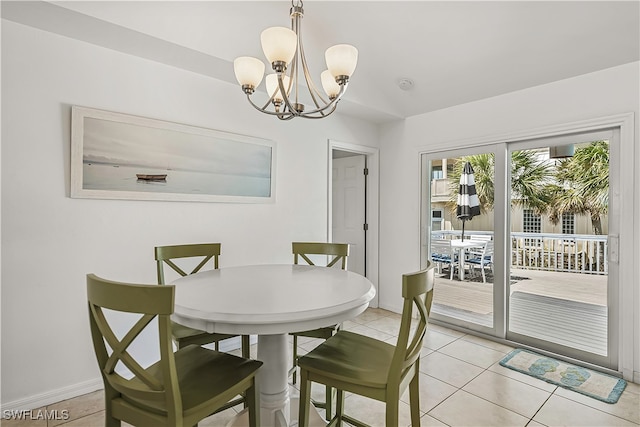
{"x":121,"y":156}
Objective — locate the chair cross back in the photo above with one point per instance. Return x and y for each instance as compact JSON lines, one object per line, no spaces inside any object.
{"x":182,"y":387}
{"x":417,"y":293}
{"x":339,"y":251}
{"x":350,"y":362}
{"x":150,"y":301}
{"x":166,"y":255}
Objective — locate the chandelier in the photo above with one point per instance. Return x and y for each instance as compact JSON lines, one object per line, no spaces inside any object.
{"x":284,"y":50}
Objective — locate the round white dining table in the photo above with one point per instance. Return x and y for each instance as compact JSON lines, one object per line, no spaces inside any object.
{"x":270,"y":301}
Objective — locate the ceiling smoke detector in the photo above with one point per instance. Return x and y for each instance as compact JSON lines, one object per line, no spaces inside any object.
{"x":405,"y":83}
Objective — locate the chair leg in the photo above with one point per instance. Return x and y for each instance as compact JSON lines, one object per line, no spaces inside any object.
{"x":305,"y":399}
{"x":328,"y":407}
{"x":109,"y":395}
{"x":251,"y":399}
{"x":392,"y":412}
{"x":484,"y":278}
{"x":246,"y":347}
{"x":414,"y":399}
{"x":295,"y":356}
{"x":339,"y":407}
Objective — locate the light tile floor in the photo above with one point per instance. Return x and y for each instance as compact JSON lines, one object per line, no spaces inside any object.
{"x":461,"y":384}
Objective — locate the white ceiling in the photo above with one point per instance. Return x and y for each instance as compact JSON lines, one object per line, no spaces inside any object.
{"x":455,"y":52}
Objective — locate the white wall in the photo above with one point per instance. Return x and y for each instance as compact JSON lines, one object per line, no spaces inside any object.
{"x":50,"y":241}
{"x":605,"y":93}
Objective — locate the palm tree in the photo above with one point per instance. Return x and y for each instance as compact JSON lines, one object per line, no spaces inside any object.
{"x":531,"y":180}
{"x":583,"y":185}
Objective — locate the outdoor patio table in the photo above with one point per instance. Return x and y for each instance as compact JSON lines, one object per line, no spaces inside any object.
{"x":461,"y":246}
{"x":271,"y":301}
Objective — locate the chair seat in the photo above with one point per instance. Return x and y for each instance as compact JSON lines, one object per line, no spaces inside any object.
{"x":323,"y":333}
{"x":353,"y":363}
{"x":440,"y":258}
{"x":181,"y":332}
{"x":352,"y":358}
{"x":443,"y":258}
{"x":479,"y":261}
{"x":197,"y":381}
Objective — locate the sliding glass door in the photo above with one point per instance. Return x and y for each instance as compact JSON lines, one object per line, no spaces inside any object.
{"x":535,"y":265}
{"x":561,"y":296}
{"x":465,"y":264}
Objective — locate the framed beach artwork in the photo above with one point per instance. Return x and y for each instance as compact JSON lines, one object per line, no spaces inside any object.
{"x":119,"y":156}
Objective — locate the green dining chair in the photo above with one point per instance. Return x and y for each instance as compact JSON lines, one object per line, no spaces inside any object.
{"x":203,"y":253}
{"x":358,"y":364}
{"x":179,"y":389}
{"x":336,"y":255}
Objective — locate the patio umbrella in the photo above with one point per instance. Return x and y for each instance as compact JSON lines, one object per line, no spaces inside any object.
{"x":468,"y":203}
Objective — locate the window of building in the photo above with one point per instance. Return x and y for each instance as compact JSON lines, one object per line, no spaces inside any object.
{"x":437,"y":220}
{"x":568,"y":223}
{"x":436,"y":172}
{"x":531,"y":222}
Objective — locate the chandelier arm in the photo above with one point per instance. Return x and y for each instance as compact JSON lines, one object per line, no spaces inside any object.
{"x":285,"y":98}
{"x":322,"y":112}
{"x":287,"y":117}
{"x":313,"y":89}
{"x":264,"y":109}
{"x":332,"y":104}
{"x":293,"y":82}
{"x":296,"y":26}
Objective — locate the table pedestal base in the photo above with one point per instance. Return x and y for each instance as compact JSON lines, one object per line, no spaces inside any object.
{"x":277,"y":408}
{"x":315,"y":420}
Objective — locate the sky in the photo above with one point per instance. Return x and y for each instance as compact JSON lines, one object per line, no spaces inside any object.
{"x":190,"y":148}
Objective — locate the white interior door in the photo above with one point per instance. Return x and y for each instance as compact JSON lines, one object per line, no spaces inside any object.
{"x":349,"y":211}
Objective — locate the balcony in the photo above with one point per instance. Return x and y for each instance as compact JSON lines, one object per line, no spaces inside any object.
{"x":573,"y":253}
{"x":558,"y":290}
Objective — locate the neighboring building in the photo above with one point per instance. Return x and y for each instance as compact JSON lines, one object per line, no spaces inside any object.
{"x":443,"y":217}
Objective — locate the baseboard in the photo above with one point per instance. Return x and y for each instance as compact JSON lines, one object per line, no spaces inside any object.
{"x":75,"y":390}
{"x":53,"y":396}
{"x":391,"y":308}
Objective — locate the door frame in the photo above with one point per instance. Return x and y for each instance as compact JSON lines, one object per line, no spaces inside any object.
{"x":372,"y":204}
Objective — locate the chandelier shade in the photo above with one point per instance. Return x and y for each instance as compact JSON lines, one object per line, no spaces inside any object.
{"x":341,"y":60}
{"x":329,"y":84}
{"x":279,"y":44}
{"x":285,"y":88}
{"x":249,"y":71}
{"x":273,"y":88}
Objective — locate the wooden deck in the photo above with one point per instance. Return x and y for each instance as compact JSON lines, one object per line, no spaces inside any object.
{"x":565,"y":308}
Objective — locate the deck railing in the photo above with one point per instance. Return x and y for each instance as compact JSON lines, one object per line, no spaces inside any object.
{"x":576,"y":253}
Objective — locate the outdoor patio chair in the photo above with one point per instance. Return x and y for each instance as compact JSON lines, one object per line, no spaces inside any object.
{"x":443,"y":253}
{"x":481,"y":256}
{"x":480,"y":237}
